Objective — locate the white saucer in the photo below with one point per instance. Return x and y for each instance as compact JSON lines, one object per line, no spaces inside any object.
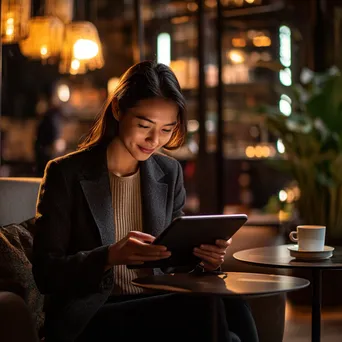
{"x":309,"y":255}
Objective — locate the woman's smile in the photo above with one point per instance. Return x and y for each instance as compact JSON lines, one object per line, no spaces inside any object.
{"x":146,"y":150}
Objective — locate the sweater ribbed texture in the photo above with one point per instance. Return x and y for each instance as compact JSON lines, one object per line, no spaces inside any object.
{"x":126,"y":199}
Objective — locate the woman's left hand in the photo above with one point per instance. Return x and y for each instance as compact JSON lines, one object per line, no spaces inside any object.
{"x":212,"y":255}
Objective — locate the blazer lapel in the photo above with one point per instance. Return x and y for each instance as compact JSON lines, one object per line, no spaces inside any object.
{"x":96,"y":189}
{"x":154,"y":195}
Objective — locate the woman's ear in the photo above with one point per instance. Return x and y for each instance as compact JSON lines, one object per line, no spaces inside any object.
{"x":115,"y":109}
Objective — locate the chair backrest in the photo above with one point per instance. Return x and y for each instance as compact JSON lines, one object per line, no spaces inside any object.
{"x":18,"y":197}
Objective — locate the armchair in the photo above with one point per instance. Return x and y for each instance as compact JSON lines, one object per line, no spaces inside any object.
{"x":18,"y":203}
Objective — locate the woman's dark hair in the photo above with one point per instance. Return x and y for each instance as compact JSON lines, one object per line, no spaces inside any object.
{"x":142,"y":81}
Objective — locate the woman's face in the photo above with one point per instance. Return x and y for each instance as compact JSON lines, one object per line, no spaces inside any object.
{"x":147,"y":127}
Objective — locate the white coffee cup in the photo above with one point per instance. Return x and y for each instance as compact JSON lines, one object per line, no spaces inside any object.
{"x":309,"y":238}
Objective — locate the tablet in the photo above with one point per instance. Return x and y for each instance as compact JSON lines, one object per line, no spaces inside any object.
{"x":187,"y":232}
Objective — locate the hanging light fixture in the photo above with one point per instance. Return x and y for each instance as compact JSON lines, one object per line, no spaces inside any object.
{"x":15,"y":16}
{"x":82,"y":49}
{"x":46,"y":33}
{"x":45,"y":38}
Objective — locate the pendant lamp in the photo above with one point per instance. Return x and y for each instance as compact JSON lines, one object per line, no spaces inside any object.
{"x":82,"y":50}
{"x":45,"y":38}
{"x":15,"y":16}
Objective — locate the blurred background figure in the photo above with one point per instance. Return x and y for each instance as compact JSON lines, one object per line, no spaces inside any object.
{"x":48,"y":129}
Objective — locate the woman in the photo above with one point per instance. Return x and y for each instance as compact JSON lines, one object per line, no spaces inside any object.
{"x":100,"y":208}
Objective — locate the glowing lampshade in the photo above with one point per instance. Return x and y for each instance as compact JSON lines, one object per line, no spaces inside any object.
{"x":15,"y":15}
{"x":81,"y":50}
{"x":85,"y":49}
{"x":45,"y":38}
{"x":63,"y":9}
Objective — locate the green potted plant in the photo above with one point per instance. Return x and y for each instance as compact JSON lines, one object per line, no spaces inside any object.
{"x":312,"y":137}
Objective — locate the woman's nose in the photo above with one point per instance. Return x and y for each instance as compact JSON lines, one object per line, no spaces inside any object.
{"x":153,"y":138}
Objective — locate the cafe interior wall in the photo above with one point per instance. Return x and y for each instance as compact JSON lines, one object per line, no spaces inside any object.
{"x":21,"y":88}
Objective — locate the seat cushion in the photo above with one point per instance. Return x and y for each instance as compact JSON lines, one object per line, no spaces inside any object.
{"x":15,"y":267}
{"x":15,"y":319}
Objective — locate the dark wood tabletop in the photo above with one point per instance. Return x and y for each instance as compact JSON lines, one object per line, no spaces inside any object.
{"x":227,"y":283}
{"x":279,"y":256}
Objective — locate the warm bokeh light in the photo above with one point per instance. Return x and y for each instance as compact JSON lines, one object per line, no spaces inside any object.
{"x":261,"y":41}
{"x":15,"y":16}
{"x":75,"y":64}
{"x":9,"y":26}
{"x":63,"y":92}
{"x":265,"y":152}
{"x":282,"y":195}
{"x":180,"y":20}
{"x":258,"y":151}
{"x":192,"y":6}
{"x":210,"y":3}
{"x":239,"y":42}
{"x":85,"y":49}
{"x":283,"y":216}
{"x":88,"y":49}
{"x":193,"y":126}
{"x":60,"y":145}
{"x":236,"y":56}
{"x":43,"y":50}
{"x":45,"y":39}
{"x":290,"y":196}
{"x":250,"y":152}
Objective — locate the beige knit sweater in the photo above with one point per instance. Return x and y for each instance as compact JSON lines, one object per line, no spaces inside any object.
{"x":126,"y":199}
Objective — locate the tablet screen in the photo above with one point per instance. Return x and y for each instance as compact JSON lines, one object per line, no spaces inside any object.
{"x":187,"y":232}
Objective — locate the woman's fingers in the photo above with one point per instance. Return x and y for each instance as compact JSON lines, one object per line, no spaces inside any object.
{"x":212,"y":258}
{"x":223,"y":243}
{"x":212,"y":248}
{"x":141,"y":236}
{"x":214,"y":255}
{"x":212,"y":261}
{"x":144,"y":248}
{"x":142,"y":257}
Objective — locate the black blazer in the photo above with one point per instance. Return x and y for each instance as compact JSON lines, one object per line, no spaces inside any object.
{"x":75,"y":226}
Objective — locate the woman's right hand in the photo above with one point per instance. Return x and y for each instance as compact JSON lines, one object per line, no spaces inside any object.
{"x":135,"y":249}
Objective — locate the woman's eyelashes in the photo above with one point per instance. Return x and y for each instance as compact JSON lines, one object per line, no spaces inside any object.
{"x":164,"y":130}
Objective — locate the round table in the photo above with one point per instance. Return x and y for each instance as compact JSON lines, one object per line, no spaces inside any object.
{"x":222,"y":284}
{"x":279,"y":256}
